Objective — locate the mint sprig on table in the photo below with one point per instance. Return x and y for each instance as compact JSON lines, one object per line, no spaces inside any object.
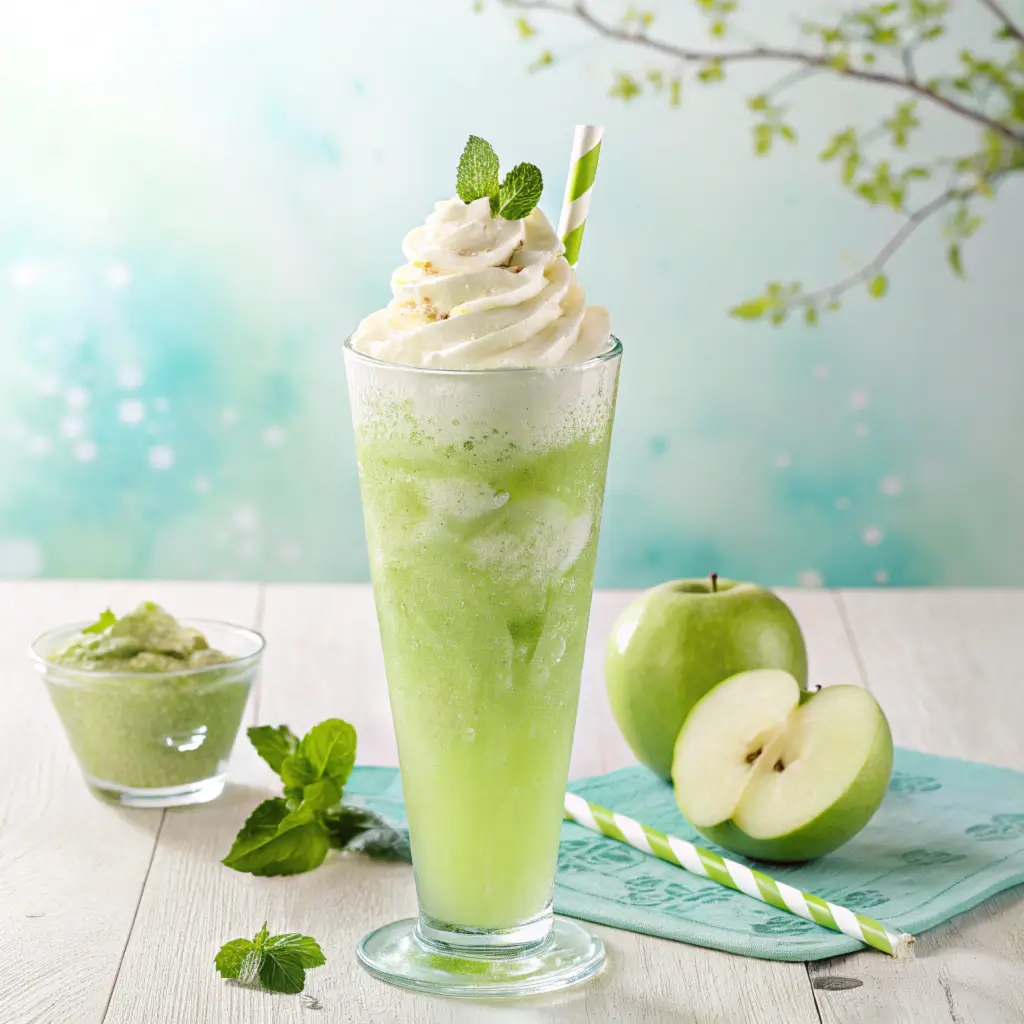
{"x":478,"y":176}
{"x":277,"y":963}
{"x":292,"y":833}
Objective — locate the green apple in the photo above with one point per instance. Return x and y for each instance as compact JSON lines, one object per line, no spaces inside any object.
{"x":771,"y":771}
{"x":677,"y":640}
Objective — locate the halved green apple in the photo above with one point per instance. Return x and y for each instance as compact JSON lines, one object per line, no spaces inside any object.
{"x":770,"y":771}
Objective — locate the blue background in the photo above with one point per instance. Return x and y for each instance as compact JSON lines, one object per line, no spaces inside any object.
{"x":199,"y":201}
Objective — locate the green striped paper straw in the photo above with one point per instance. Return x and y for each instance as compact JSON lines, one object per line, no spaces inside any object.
{"x":586,"y":149}
{"x":707,"y":864}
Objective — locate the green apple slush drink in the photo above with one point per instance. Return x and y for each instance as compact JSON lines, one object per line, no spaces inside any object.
{"x":482,"y":400}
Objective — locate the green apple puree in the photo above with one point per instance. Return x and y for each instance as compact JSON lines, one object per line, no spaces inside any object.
{"x":146,"y":702}
{"x":482,"y":553}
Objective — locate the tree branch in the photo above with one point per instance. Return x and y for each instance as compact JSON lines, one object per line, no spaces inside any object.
{"x":906,"y":229}
{"x":1007,"y":21}
{"x":578,"y":10}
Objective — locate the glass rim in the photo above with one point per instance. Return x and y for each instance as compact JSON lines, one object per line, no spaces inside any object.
{"x":614,"y":351}
{"x":43,"y":663}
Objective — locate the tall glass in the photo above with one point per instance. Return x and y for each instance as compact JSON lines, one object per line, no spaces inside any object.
{"x":482,"y":493}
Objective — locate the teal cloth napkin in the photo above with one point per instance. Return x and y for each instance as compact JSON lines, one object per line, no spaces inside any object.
{"x":948,"y":835}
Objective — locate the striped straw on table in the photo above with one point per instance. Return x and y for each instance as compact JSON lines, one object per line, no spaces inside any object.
{"x":586,"y":149}
{"x":708,"y":864}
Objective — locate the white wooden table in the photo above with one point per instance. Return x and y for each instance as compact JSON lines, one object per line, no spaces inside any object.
{"x":114,"y":915}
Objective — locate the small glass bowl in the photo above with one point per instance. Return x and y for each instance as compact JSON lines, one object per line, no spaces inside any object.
{"x":153,"y":739}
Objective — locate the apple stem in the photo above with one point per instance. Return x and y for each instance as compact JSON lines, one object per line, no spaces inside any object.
{"x":714,"y":583}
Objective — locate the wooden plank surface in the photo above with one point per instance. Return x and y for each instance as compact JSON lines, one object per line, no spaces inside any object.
{"x":71,"y":867}
{"x":125,"y":898}
{"x":948,"y":669}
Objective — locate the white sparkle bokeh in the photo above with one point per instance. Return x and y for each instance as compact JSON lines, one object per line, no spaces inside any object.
{"x":77,"y":399}
{"x":131,"y":411}
{"x":273,"y":436}
{"x":71,"y":427}
{"x":872,"y":535}
{"x":130,"y":378}
{"x":86,"y":451}
{"x":20,"y":558}
{"x":160,"y":456}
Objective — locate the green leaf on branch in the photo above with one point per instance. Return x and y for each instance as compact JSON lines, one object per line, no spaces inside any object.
{"x":810,"y":316}
{"x":758,"y":102}
{"x":643,"y":20}
{"x":850,"y":167}
{"x":902,"y":122}
{"x":657,"y":78}
{"x":711,"y":72}
{"x":544,"y":58}
{"x":878,"y":286}
{"x":752,"y":309}
{"x":625,"y":87}
{"x":675,"y":91}
{"x":787,"y":132}
{"x":953,"y":255}
{"x":884,"y":37}
{"x":718,"y":29}
{"x":763,"y":135}
{"x":524,"y":28}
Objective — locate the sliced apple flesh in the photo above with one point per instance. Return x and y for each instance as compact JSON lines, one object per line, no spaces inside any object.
{"x":765,"y":770}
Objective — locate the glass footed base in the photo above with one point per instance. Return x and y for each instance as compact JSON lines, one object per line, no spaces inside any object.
{"x":397,"y":954}
{"x":199,"y":792}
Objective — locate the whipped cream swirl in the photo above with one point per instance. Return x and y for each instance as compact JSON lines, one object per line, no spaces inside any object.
{"x":481,"y":292}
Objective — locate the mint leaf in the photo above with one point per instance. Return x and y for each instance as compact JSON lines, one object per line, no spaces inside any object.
{"x":278,"y":963}
{"x":273,"y":744}
{"x":103,"y":623}
{"x":306,"y":950}
{"x":344,"y":824}
{"x":277,"y":841}
{"x":384,"y":843}
{"x":478,"y":171}
{"x":282,"y":972}
{"x":362,"y":831}
{"x":231,"y":955}
{"x":520,"y":192}
{"x":293,"y":796}
{"x":330,"y":748}
{"x":297,"y":771}
{"x":322,"y":795}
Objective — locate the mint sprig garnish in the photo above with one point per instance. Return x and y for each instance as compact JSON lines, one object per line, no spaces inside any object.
{"x":292,"y":834}
{"x":478,"y":172}
{"x":277,"y":963}
{"x":520,"y":192}
{"x":478,"y":176}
